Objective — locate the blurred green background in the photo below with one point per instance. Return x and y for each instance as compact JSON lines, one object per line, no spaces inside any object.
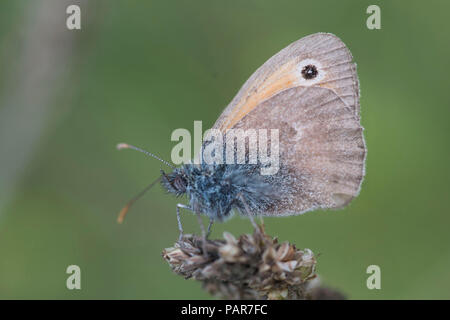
{"x":137,"y":70}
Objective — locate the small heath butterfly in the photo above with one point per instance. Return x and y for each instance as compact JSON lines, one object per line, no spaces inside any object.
{"x":309,"y":93}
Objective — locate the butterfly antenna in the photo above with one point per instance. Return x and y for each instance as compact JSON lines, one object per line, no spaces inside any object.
{"x":121,"y":146}
{"x":125,"y":209}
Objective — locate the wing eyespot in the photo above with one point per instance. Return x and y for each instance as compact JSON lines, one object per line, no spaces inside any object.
{"x":309,"y":72}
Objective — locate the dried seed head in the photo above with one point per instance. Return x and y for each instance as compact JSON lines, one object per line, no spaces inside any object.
{"x":251,"y":267}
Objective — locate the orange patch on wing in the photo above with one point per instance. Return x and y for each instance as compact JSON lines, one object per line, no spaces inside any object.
{"x":276,"y":83}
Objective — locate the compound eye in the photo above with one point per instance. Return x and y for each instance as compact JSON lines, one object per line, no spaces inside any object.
{"x":179,"y":183}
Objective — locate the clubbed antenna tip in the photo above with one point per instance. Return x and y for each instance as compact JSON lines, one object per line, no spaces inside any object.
{"x":121,"y":146}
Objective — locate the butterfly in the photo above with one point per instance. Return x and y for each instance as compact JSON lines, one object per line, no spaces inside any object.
{"x":309,"y":92}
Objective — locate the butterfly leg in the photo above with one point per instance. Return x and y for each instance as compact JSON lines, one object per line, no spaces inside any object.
{"x":202,"y":227}
{"x":255,"y":225}
{"x":261,"y":220}
{"x":211,"y":221}
{"x":247,"y":209}
{"x":180,"y":226}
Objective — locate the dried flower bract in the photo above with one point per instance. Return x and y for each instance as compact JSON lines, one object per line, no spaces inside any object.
{"x":251,"y":267}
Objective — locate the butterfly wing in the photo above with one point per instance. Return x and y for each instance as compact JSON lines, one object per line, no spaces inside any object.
{"x":333,"y":59}
{"x":321,"y":144}
{"x":322,"y":149}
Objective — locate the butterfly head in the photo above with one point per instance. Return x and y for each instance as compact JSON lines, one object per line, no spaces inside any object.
{"x":175,"y":182}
